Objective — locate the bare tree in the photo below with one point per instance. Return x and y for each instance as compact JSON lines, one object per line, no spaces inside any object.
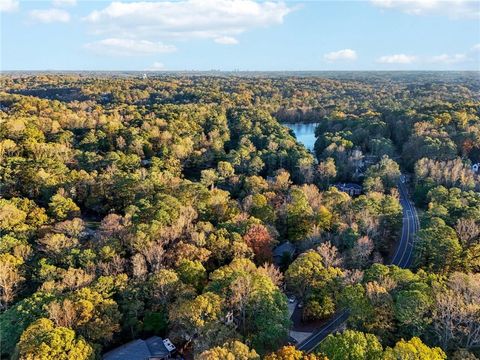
{"x":154,"y":254}
{"x":74,"y":228}
{"x":113,"y":226}
{"x":361,"y":251}
{"x":272,"y":272}
{"x":456,"y":313}
{"x":329,"y":254}
{"x":57,"y":244}
{"x":314,"y":196}
{"x":352,"y":277}
{"x":241,"y":291}
{"x":139,"y":266}
{"x":114,"y":266}
{"x":75,"y":278}
{"x":468,"y":231}
{"x":369,"y":223}
{"x":63,"y":313}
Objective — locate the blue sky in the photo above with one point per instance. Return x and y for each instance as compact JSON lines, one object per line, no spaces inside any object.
{"x":240,"y":34}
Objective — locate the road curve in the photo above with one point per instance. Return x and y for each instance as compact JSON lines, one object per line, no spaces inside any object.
{"x":403,"y":257}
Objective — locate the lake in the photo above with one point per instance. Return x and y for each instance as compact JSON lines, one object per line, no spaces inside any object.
{"x":305,"y":133}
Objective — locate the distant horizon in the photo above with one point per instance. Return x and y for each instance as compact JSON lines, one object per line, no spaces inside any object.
{"x":237,"y":71}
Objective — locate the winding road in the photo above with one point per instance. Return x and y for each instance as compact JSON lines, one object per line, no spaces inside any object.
{"x":403,"y":258}
{"x":404,"y":254}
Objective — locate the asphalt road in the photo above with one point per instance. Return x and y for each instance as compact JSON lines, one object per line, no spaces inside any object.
{"x":404,"y":254}
{"x":311,"y":342}
{"x":403,"y":258}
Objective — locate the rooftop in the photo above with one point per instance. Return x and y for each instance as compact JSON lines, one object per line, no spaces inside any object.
{"x":349,"y":186}
{"x":286,"y":247}
{"x":142,"y":349}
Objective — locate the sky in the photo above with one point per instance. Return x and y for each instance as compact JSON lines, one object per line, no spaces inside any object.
{"x":244,"y":35}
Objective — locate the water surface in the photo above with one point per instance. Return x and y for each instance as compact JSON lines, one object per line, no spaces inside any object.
{"x":305,"y":133}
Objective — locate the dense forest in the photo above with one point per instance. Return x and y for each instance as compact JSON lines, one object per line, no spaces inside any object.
{"x":132,"y":207}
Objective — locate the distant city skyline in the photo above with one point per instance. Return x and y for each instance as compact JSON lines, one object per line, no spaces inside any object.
{"x":240,"y":35}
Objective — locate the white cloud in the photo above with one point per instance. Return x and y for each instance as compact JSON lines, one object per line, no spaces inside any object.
{"x":452,"y":8}
{"x":345,"y":54}
{"x":476,"y":47}
{"x":425,"y":60}
{"x":61,"y":3}
{"x":219,"y":20}
{"x":128,"y":47}
{"x":9,"y":5}
{"x":396,"y":59}
{"x":50,"y":16}
{"x":449,"y":59}
{"x":226,"y":40}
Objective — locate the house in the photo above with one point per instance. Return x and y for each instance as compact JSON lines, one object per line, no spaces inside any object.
{"x":282,"y":252}
{"x":350,"y":188}
{"x":154,"y":348}
{"x":476,"y":168}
